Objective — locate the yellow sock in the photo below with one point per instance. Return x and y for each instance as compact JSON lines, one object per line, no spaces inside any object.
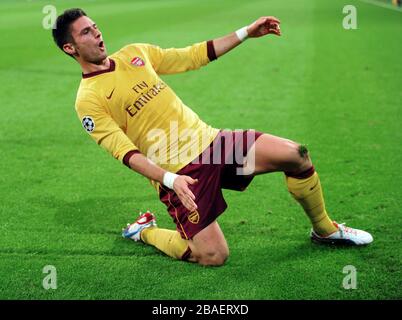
{"x":308,"y":192}
{"x":168,"y":241}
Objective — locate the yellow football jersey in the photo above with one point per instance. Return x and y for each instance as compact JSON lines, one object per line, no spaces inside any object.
{"x":128,"y":107}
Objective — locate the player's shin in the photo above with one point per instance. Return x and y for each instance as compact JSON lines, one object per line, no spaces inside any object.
{"x":306,"y":189}
{"x":168,"y":241}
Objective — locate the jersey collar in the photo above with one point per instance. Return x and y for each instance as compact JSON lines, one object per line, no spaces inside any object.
{"x":95,"y":73}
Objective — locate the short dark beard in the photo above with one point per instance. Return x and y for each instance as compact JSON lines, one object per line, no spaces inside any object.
{"x":97,"y":62}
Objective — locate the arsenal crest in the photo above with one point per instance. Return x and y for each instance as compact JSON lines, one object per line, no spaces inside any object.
{"x":194,"y":217}
{"x":137,"y":61}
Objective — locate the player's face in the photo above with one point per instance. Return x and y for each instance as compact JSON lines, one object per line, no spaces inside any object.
{"x":88,"y":40}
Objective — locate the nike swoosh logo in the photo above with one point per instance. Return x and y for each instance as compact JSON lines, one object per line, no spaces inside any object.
{"x":108,"y":97}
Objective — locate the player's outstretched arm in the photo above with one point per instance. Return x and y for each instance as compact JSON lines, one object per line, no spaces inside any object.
{"x":179,"y":183}
{"x":261,"y":27}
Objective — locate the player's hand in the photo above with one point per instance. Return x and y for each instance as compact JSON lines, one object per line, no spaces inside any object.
{"x":264,"y":26}
{"x":187,"y":198}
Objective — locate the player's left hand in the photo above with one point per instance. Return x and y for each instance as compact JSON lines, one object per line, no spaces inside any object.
{"x":181,"y":187}
{"x":264,"y":26}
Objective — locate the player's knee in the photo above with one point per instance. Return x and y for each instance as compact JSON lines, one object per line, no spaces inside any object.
{"x":302,"y":151}
{"x":214,"y":258}
{"x":298,"y":155}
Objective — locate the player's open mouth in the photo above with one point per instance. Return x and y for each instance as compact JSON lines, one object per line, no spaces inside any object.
{"x":101,"y":45}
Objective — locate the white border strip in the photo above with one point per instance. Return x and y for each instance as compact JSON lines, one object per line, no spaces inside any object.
{"x":382,"y":5}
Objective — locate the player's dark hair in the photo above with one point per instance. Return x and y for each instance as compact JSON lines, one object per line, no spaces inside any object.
{"x":62,"y":31}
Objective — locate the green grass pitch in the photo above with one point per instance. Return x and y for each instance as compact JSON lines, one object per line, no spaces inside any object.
{"x":64,"y":200}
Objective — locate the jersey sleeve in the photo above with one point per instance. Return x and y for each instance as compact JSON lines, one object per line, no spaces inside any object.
{"x":173,"y":60}
{"x":102,"y":128}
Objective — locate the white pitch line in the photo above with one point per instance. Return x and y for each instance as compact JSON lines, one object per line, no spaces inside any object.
{"x":382,"y":5}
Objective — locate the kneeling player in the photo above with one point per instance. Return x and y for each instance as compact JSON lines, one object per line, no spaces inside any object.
{"x":127,"y":109}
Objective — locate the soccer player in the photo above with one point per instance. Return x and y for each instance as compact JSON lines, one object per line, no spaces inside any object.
{"x":127,"y":109}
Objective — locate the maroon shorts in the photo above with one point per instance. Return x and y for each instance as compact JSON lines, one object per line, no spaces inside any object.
{"x":216,"y":168}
